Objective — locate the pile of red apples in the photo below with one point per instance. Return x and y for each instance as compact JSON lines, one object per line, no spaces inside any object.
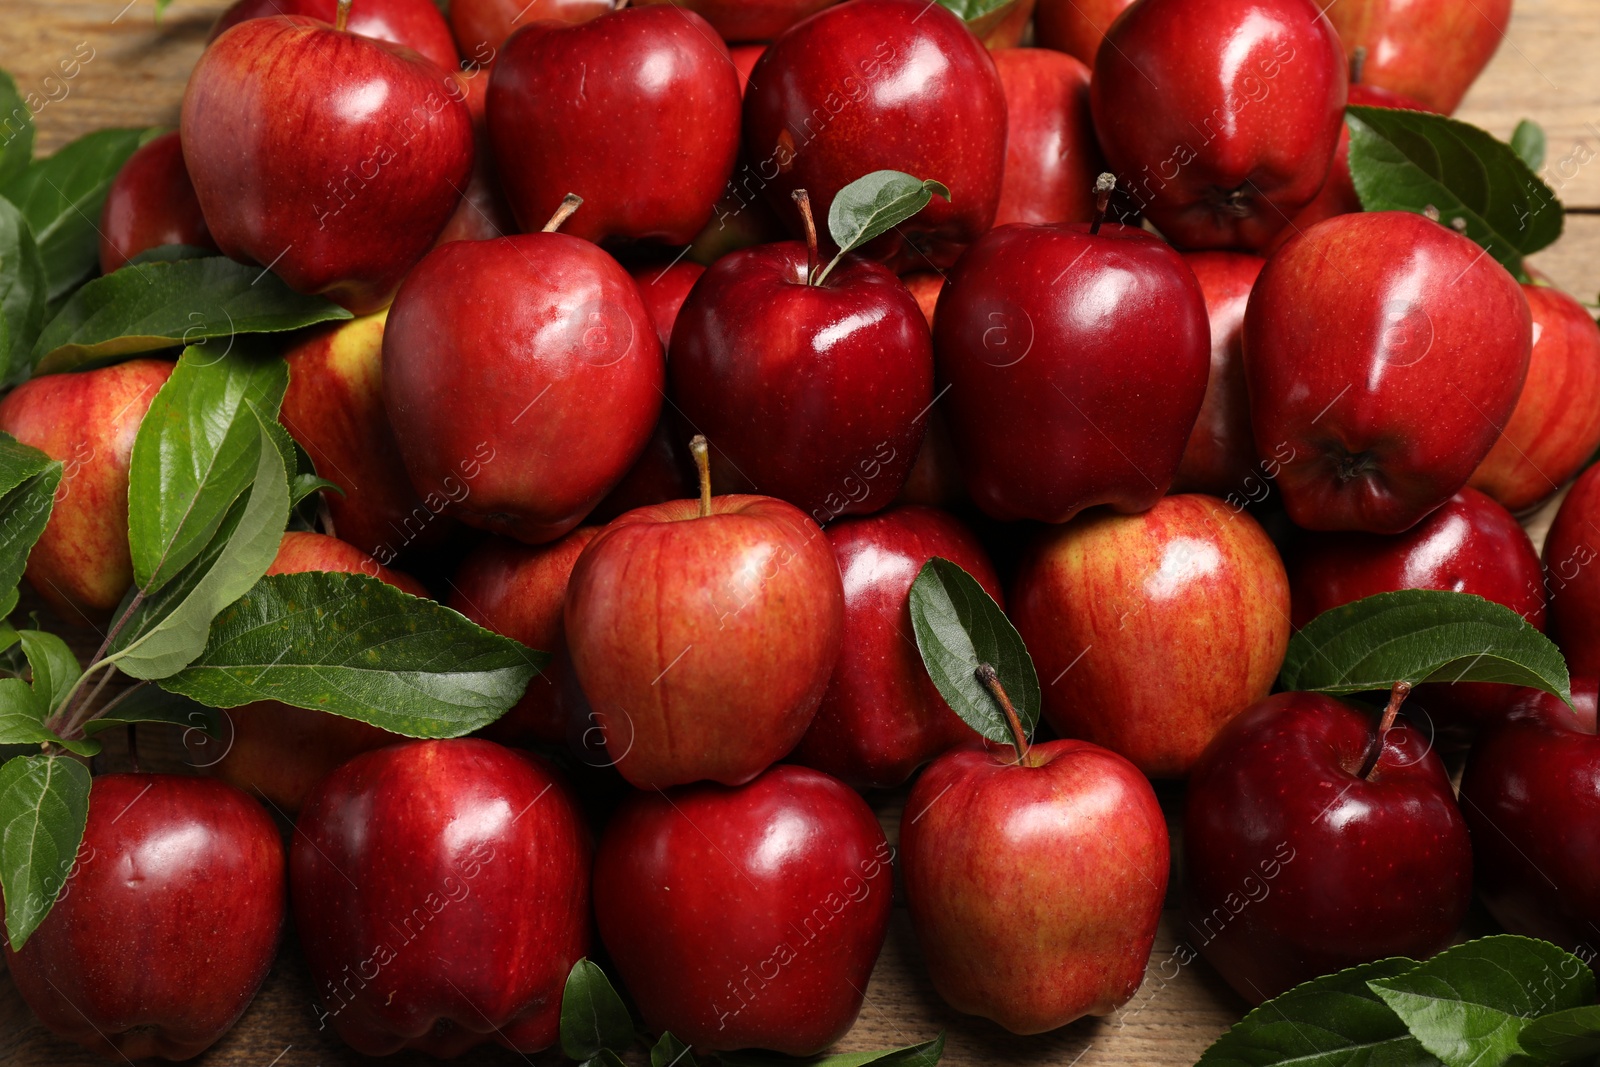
{"x":1164,"y":422}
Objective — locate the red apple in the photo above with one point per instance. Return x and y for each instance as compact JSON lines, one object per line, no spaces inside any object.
{"x":1221,"y":118}
{"x":167,"y":924}
{"x":1430,"y":51}
{"x":482,"y":214}
{"x":334,"y":409}
{"x":1004,"y":26}
{"x":1220,"y":458}
{"x":1573,"y":579}
{"x":1383,"y":352}
{"x":748,"y":916}
{"x":1300,"y":860}
{"x":518,"y":590}
{"x":279,"y":752}
{"x":749,"y":20}
{"x":441,"y":895}
{"x":880,"y":85}
{"x":881,"y":717}
{"x":935,"y":477}
{"x":744,"y":58}
{"x":1150,"y":632}
{"x":482,"y":26}
{"x":1058,"y":341}
{"x":637,"y":112}
{"x":544,"y":340}
{"x":1555,"y":427}
{"x":815,"y":393}
{"x":81,"y":565}
{"x":1052,"y":158}
{"x":664,"y":290}
{"x":703,"y":634}
{"x":150,"y":203}
{"x":1035,"y":888}
{"x":1075,"y":27}
{"x":416,"y":24}
{"x":1531,"y":800}
{"x":339,"y":178}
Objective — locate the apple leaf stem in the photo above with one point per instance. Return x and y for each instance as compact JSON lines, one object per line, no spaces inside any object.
{"x":989,"y":678}
{"x":569,"y":203}
{"x":802,"y":200}
{"x":342,"y":15}
{"x":1104,"y":186}
{"x":1397,"y":696}
{"x":702,"y":464}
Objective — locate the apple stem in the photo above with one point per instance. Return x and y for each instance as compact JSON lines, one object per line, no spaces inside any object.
{"x":989,"y":678}
{"x":1397,"y":696}
{"x":569,"y":203}
{"x":802,"y":200}
{"x":702,"y":464}
{"x":1104,"y":186}
{"x":342,"y":15}
{"x":1358,"y":63}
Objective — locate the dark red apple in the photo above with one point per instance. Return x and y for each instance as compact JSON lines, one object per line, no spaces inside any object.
{"x":167,"y":924}
{"x":1383,"y":352}
{"x":1220,"y":118}
{"x":415,"y":24}
{"x":1075,"y":27}
{"x":747,"y":916}
{"x":636,"y":111}
{"x":1052,"y":158}
{"x":482,"y":26}
{"x":1572,"y":576}
{"x":1220,"y":458}
{"x":881,"y":717}
{"x":880,"y":85}
{"x":1035,"y":888}
{"x":518,"y":590}
{"x":744,"y":58}
{"x":441,"y":895}
{"x":337,"y":179}
{"x":1555,"y":427}
{"x":81,"y":565}
{"x":544,"y":340}
{"x":1430,"y":51}
{"x":1312,"y":843}
{"x":150,"y":203}
{"x":1060,"y":341}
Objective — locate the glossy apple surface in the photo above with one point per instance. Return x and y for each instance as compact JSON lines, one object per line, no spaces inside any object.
{"x":480,"y":27}
{"x":1220,"y":457}
{"x":1055,"y":342}
{"x":1035,"y":890}
{"x":441,"y":895}
{"x":518,"y":590}
{"x":747,"y":916}
{"x":416,"y":24}
{"x":874,"y":85}
{"x":1220,"y":119}
{"x":1296,"y":866}
{"x":150,"y":203}
{"x":81,"y":564}
{"x":648,"y":142}
{"x":1151,"y":631}
{"x":544,"y":339}
{"x":882,"y":717}
{"x":1572,"y":574}
{"x":1075,"y":27}
{"x":1052,"y":158}
{"x":1382,"y":351}
{"x":1429,"y":50}
{"x":704,"y":643}
{"x":814,"y":393}
{"x":1555,"y":427}
{"x":167,"y":924}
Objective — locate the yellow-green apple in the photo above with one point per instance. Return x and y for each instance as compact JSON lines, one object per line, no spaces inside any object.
{"x":1152,"y":631}
{"x":150,"y":203}
{"x":1383,"y":352}
{"x":1428,"y":51}
{"x":1075,"y":27}
{"x":81,"y":564}
{"x":1052,"y":158}
{"x":1220,"y":457}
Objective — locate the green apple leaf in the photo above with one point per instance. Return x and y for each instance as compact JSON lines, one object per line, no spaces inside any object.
{"x":22,"y":714}
{"x":16,"y":132}
{"x":196,"y":451}
{"x":44,"y":805}
{"x":971,"y":11}
{"x":55,"y":668}
{"x":172,"y":640}
{"x":62,"y":195}
{"x":668,"y":1051}
{"x":1327,"y":1022}
{"x":22,"y":290}
{"x":353,"y":646}
{"x":168,"y":254}
{"x":1421,"y":635}
{"x":167,"y":304}
{"x":593,"y":1017}
{"x":870,"y":206}
{"x":959,"y":626}
{"x":1469,"y":1004}
{"x":1414,"y":161}
{"x":1528,"y":142}
{"x":28,"y":481}
{"x":1564,"y":1036}
{"x":925,"y":1054}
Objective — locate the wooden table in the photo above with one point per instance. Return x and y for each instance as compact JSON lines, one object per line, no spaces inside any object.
{"x":131,"y":72}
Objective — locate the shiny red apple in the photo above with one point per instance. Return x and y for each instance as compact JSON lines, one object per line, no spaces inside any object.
{"x":1220,"y":457}
{"x":1430,"y":51}
{"x":1572,"y":574}
{"x":150,"y":203}
{"x":416,"y":24}
{"x":1075,"y":27}
{"x":1052,"y":158}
